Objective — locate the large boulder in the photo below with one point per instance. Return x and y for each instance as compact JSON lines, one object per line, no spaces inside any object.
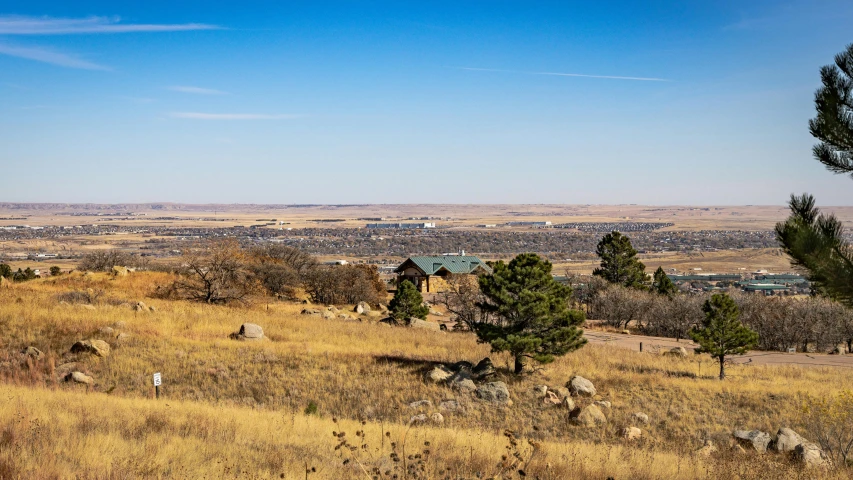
{"x":249,"y":331}
{"x":581,"y":387}
{"x":80,"y":377}
{"x":787,"y":440}
{"x":589,"y":416}
{"x":755,"y":439}
{"x":494,"y":392}
{"x":418,"y":323}
{"x":810,"y":455}
{"x":483,"y":369}
{"x":98,"y":348}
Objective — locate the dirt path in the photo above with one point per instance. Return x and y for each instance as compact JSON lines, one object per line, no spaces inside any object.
{"x":657,"y":344}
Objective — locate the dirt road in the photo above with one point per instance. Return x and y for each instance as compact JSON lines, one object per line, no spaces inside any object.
{"x":658,"y":344}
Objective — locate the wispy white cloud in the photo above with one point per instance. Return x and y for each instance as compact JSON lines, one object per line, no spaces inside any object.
{"x":231,"y":116}
{"x":196,"y":90}
{"x":559,"y":74}
{"x":23,"y":25}
{"x":49,"y":56}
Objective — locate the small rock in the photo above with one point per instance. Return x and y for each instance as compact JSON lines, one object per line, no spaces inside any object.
{"x":679,"y":352}
{"x":310,"y":311}
{"x":494,"y":392}
{"x":79,"y":377}
{"x":540,"y":391}
{"x":418,"y":419}
{"x":362,"y":307}
{"x":568,"y":403}
{"x":465,"y":385}
{"x":140,"y":307}
{"x":640,"y":417}
{"x":707,"y":449}
{"x":122,"y":337}
{"x":438,"y":374}
{"x":756,"y":439}
{"x":328,"y":315}
{"x":449,"y":405}
{"x":106,"y":330}
{"x":120,"y":325}
{"x":579,"y":386}
{"x":603,"y":404}
{"x":98,"y":348}
{"x":152,"y":308}
{"x":626,"y":332}
{"x":631,"y":433}
{"x":33,"y":352}
{"x":119,"y":271}
{"x":589,"y":416}
{"x":437,"y":418}
{"x":551,"y":398}
{"x":562,"y":392}
{"x":421,"y":403}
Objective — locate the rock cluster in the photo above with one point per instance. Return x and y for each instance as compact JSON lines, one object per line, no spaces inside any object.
{"x":787,"y":442}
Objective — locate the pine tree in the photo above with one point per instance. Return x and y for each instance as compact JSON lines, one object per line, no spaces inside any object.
{"x":528,"y":312}
{"x":722,"y":334}
{"x":662,"y":284}
{"x":619,"y":262}
{"x":407,"y":303}
{"x":815,"y":241}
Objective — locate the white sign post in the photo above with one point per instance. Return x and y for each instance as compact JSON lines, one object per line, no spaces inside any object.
{"x":157,"y":381}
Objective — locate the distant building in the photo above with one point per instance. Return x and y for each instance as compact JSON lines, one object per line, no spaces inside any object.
{"x":401,"y":225}
{"x":529,"y":224}
{"x":429,"y":274}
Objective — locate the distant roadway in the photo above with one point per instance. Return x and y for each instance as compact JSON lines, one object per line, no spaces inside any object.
{"x":659,"y":344}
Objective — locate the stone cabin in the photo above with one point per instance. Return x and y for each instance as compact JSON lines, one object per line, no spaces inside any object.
{"x":430,"y":274}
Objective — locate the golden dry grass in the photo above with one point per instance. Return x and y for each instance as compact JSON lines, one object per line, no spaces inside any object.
{"x":234,"y":408}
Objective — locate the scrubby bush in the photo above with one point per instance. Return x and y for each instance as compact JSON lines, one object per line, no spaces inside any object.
{"x":105,"y":260}
{"x":339,"y":284}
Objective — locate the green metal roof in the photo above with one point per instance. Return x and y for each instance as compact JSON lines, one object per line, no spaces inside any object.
{"x":452,"y":263}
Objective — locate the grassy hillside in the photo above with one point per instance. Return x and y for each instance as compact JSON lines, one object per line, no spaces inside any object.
{"x":237,"y":409}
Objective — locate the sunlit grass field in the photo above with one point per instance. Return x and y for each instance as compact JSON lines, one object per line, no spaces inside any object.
{"x":268,"y":409}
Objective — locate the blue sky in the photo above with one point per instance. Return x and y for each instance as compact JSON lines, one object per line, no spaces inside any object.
{"x":415,"y":102}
